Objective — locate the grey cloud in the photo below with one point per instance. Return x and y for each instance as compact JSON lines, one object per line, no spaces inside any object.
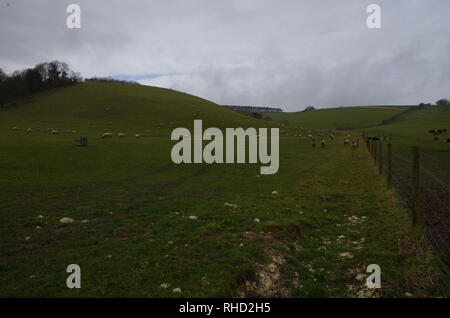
{"x":289,"y":53}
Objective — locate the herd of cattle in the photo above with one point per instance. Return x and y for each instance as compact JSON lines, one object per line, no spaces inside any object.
{"x":436,"y":132}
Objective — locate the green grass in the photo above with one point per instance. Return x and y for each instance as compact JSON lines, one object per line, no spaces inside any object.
{"x":93,"y":107}
{"x":137,"y":203}
{"x":337,"y":118}
{"x":411,"y":129}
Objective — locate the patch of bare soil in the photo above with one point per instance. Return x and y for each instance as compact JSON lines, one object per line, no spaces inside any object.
{"x":357,"y":284}
{"x":269,"y":280}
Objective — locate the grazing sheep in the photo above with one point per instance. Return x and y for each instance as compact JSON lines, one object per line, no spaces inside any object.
{"x":323,"y":143}
{"x":138,"y":136}
{"x":29,"y":130}
{"x":121,"y":135}
{"x":55,"y":131}
{"x":107,"y":135}
{"x":14,"y":128}
{"x":346,"y":141}
{"x":331,"y":136}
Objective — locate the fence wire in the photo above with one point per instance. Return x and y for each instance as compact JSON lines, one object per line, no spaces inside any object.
{"x":433,"y":190}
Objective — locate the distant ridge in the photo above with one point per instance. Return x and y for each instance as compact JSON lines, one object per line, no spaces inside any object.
{"x":254,"y":109}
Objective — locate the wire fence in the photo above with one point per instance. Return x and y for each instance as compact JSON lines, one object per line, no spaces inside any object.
{"x":426,"y":194}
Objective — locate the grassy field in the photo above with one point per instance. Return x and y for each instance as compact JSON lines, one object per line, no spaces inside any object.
{"x":337,"y":118}
{"x":412,"y":129}
{"x":144,"y":226}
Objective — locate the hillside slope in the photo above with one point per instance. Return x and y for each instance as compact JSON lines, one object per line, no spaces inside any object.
{"x":412,"y":128}
{"x":105,"y":105}
{"x":337,"y":118}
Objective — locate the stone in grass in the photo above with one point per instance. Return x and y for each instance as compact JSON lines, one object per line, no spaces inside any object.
{"x":347,"y":255}
{"x":176,"y":290}
{"x":66,"y":220}
{"x":193,"y":217}
{"x":257,"y":220}
{"x":85,"y":221}
{"x":274,"y":192}
{"x":164,"y":285}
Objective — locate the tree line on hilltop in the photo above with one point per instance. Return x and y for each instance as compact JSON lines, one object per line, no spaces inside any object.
{"x":43,"y":76}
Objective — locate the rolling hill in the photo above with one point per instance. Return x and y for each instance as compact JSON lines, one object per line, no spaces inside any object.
{"x":337,"y":118}
{"x":412,"y":129}
{"x":97,"y":106}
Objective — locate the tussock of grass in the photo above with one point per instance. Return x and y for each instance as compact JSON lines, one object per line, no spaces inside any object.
{"x":422,"y":276}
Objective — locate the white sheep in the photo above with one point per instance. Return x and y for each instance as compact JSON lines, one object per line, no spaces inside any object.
{"x":121,"y":135}
{"x":107,"y":135}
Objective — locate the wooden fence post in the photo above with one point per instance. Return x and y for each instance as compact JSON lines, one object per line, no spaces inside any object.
{"x":375,"y":151}
{"x":389,"y":165}
{"x":415,"y":193}
{"x":380,"y":158}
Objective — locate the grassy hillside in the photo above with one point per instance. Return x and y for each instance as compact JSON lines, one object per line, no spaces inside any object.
{"x":412,"y":129}
{"x":96,"y":106}
{"x":337,"y":118}
{"x":143,"y":226}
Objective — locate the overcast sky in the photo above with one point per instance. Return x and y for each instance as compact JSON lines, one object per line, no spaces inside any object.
{"x":289,"y":53}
